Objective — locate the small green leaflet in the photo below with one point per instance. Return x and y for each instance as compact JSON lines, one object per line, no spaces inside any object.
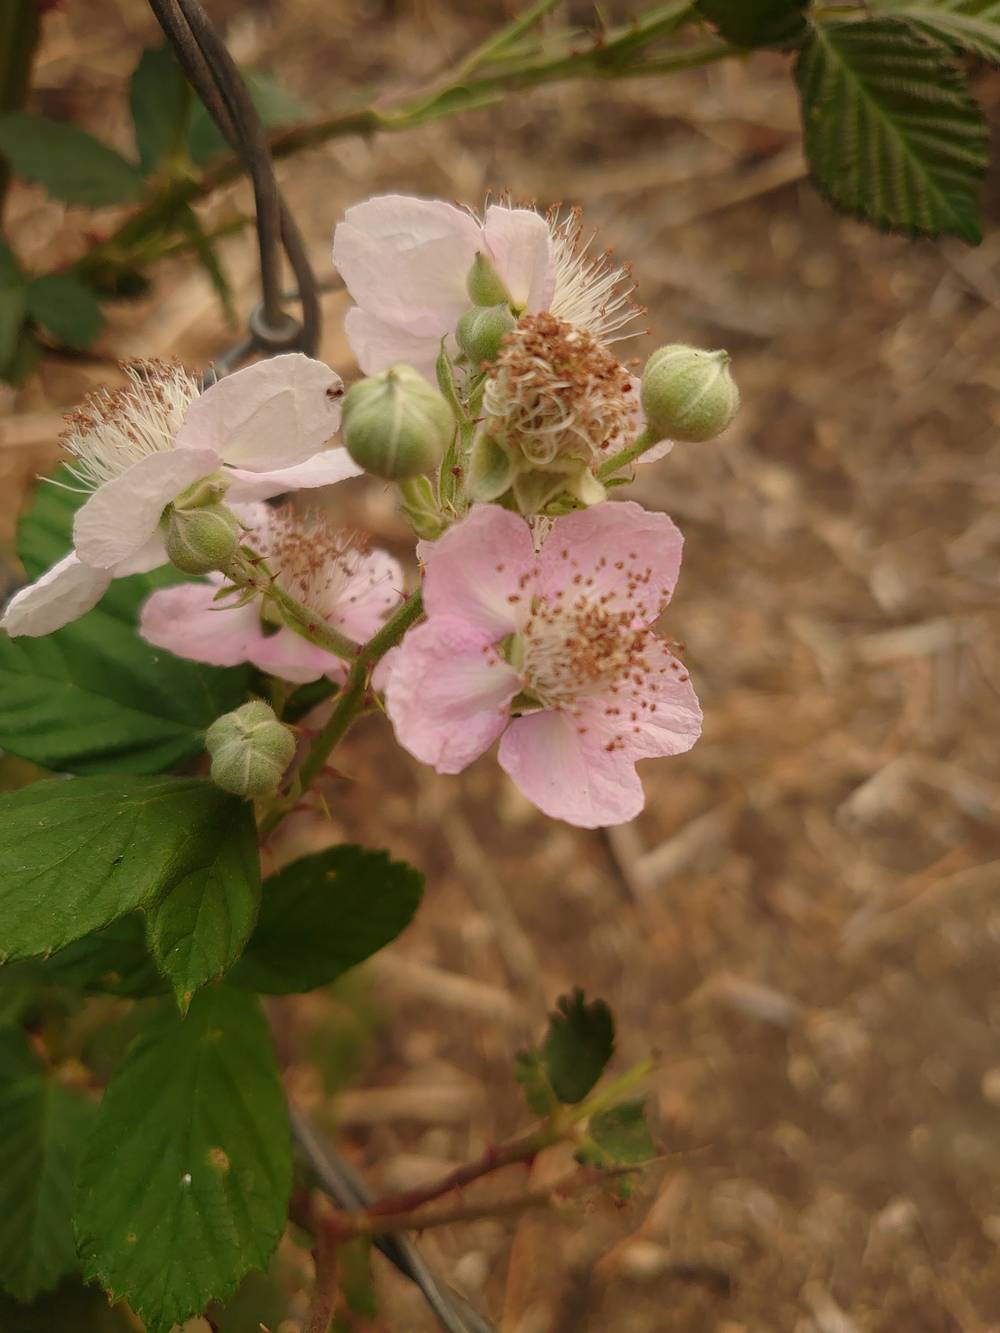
{"x":71,"y":164}
{"x":13,"y":305}
{"x":66,"y":308}
{"x":622,"y":1134}
{"x":94,"y":697}
{"x":275,"y":105}
{"x":77,"y":855}
{"x":184,"y":1184}
{"x":161,"y":102}
{"x":42,"y":1127}
{"x":891,"y":132}
{"x":579,"y":1044}
{"x":757,"y":22}
{"x":326,"y":913}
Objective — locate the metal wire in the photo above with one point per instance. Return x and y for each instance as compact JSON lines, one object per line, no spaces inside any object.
{"x":212,"y":72}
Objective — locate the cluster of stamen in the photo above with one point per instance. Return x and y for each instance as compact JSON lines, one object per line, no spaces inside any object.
{"x":591,"y":290}
{"x":555,"y":392}
{"x":115,"y":428}
{"x":321,"y":566}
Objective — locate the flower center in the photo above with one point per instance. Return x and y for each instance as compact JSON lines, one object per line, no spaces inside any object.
{"x":323,"y":567}
{"x":115,"y":428}
{"x":555,"y":393}
{"x":591,"y":290}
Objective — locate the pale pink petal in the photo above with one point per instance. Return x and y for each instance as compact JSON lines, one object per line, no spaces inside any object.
{"x":323,"y":469}
{"x":653,"y":713}
{"x":481,"y":571}
{"x":121,"y":516}
{"x":187,"y":621}
{"x":619,"y":553}
{"x":288,"y":656}
{"x":406,"y":260}
{"x":373,"y":591}
{"x":566,"y":769}
{"x":63,"y":593}
{"x":448,"y":694}
{"x":150,"y":556}
{"x":377,"y":345}
{"x":271,"y":415}
{"x":520,"y":246}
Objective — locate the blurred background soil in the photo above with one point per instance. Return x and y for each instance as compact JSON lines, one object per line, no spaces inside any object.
{"x":804,"y":923}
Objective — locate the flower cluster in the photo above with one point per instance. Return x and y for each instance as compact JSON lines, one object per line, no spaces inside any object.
{"x":494,"y":401}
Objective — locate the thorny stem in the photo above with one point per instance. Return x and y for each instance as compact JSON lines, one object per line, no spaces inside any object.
{"x":611,"y":57}
{"x":249,"y":571}
{"x":323,"y":1305}
{"x":349,"y":703}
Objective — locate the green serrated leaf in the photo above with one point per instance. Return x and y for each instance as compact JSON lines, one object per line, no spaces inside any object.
{"x":184,"y":1184}
{"x":66,"y":307}
{"x":891,"y":132}
{"x":966,"y":25}
{"x":276,"y":106}
{"x":73,"y":1308}
{"x":112,"y":961}
{"x":71,"y":164}
{"x":622,"y":1133}
{"x":94,"y":697}
{"x":751,"y":23}
{"x":42,"y":1126}
{"x":13,"y":306}
{"x":77,"y":855}
{"x":200,"y":928}
{"x":160,"y":102}
{"x":579,"y":1044}
{"x":324,"y":914}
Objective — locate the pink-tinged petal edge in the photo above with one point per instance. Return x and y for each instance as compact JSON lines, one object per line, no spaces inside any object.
{"x":370,"y":595}
{"x":520,"y":245}
{"x":625,"y":555}
{"x":448,"y":694}
{"x":290,"y":657}
{"x":63,"y":593}
{"x":568,"y":772}
{"x":274,"y":414}
{"x":324,"y":469}
{"x":187,"y":621}
{"x":480,"y":571}
{"x":377,"y":345}
{"x":118,"y":520}
{"x":405,"y":260}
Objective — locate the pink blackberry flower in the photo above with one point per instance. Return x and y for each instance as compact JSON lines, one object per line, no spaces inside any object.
{"x":551,"y":652}
{"x":334,"y":573}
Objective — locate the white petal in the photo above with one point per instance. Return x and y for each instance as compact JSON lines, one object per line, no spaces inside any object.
{"x":273,"y":414}
{"x":121,"y":516}
{"x":377,"y":345}
{"x":405,"y":260}
{"x":150,"y":556}
{"x":323,"y":469}
{"x":65,"y":592}
{"x":520,"y":246}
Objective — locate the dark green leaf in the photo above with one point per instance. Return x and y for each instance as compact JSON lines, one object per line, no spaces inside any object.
{"x":891,"y":132}
{"x":757,"y":22}
{"x":529,"y":1070}
{"x":94,"y":697}
{"x":66,"y":307}
{"x":966,"y":25}
{"x":326,"y":913}
{"x":622,"y":1133}
{"x":13,"y":305}
{"x":183,"y":1188}
{"x":275,"y":105}
{"x":74,"y":1308}
{"x":114,"y":961}
{"x":18,"y":989}
{"x":580,"y":1042}
{"x":68,"y":162}
{"x":27,"y":355}
{"x":199,"y":929}
{"x":77,"y":855}
{"x":42,"y":1126}
{"x":160,"y":101}
{"x":305,"y":698}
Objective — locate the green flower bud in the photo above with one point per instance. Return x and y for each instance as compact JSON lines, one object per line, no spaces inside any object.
{"x":481,"y":330}
{"x":200,"y":540}
{"x":688,"y":394}
{"x":396,"y":425}
{"x":484,"y":284}
{"x":250,"y":750}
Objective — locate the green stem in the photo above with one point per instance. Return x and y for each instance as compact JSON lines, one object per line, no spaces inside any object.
{"x":626,"y":456}
{"x":248,"y":571}
{"x":19,"y":29}
{"x":349,"y":702}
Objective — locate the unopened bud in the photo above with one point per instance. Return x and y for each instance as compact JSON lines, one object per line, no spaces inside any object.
{"x":484,"y":284}
{"x":481,"y":330}
{"x":396,"y":425}
{"x":200,"y":540}
{"x":250,"y":750}
{"x":688,"y":394}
